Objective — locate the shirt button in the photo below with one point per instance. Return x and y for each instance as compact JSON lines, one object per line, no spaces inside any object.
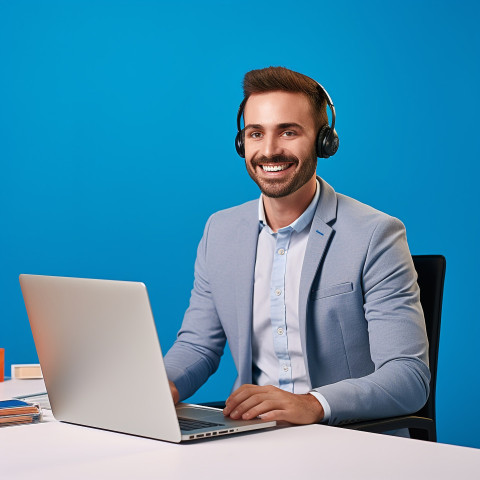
{"x":278,"y":292}
{"x":281,"y":251}
{"x":280,"y":330}
{"x":285,"y":368}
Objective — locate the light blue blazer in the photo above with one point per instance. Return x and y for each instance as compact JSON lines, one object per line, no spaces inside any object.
{"x":361,"y":323}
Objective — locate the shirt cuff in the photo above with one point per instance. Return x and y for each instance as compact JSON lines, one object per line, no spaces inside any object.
{"x":327,"y":412}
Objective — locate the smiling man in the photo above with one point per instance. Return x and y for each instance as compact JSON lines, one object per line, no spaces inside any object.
{"x":315,"y":292}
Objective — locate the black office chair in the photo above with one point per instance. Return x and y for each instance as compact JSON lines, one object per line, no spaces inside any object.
{"x":422,"y":424}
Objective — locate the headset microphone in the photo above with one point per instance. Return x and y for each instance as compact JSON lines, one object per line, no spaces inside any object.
{"x":327,"y":138}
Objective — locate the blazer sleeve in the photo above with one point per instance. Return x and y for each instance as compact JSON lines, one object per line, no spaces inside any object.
{"x":200,"y":343}
{"x":397,"y":335}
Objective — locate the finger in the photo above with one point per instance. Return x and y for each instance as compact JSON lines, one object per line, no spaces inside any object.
{"x":263,"y":408}
{"x":252,"y":403}
{"x":238,"y":404}
{"x":239,"y":396}
{"x":245,"y":391}
{"x":247,"y":394}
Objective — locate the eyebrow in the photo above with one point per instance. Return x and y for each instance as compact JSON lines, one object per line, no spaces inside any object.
{"x":279,"y":126}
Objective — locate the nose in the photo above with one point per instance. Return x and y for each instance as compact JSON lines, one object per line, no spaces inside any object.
{"x":271,"y":146}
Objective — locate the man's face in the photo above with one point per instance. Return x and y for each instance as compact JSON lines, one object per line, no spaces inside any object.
{"x":280,"y":134}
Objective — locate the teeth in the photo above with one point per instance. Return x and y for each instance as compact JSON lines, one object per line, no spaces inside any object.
{"x":274,"y":168}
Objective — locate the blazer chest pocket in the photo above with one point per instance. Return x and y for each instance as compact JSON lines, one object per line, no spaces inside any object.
{"x":332,"y":290}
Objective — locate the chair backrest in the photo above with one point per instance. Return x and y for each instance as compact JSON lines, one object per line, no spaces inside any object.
{"x":431,"y":276}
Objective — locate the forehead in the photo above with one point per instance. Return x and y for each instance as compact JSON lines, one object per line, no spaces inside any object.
{"x":277,"y":107}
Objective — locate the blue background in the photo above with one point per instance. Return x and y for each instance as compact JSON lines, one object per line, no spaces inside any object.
{"x":117,"y":126}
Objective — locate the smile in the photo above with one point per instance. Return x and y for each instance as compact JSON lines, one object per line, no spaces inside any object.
{"x":275,"y":168}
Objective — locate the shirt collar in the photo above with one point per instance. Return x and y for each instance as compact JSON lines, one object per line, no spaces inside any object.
{"x":301,"y":222}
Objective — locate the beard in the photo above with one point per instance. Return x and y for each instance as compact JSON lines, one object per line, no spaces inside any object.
{"x":277,"y":188}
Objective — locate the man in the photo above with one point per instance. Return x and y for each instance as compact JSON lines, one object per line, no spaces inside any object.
{"x":315,"y":292}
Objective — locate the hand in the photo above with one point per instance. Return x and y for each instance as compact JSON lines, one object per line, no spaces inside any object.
{"x":175,"y":394}
{"x":272,"y":403}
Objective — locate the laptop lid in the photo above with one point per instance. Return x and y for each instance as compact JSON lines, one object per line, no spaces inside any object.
{"x":100,"y":355}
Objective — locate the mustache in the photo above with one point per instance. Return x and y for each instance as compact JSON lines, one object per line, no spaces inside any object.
{"x":274,"y":159}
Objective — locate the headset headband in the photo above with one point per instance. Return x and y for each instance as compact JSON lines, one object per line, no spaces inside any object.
{"x":241,"y":108}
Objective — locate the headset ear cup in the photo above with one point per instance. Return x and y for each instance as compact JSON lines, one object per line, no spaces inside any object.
{"x":240,"y":144}
{"x":320,"y":141}
{"x":330,"y":144}
{"x":327,"y":142}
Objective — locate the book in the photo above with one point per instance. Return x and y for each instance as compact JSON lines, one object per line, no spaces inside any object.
{"x":13,"y":412}
{"x":16,"y":419}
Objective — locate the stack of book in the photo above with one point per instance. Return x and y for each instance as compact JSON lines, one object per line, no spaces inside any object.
{"x":13,"y":412}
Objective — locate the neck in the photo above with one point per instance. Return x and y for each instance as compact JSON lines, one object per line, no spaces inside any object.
{"x":281,"y":212}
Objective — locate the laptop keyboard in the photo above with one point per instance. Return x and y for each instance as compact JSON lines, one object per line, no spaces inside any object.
{"x":188,"y":424}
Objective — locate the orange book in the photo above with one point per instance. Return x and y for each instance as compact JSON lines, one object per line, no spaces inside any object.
{"x":16,"y":407}
{"x":16,"y":419}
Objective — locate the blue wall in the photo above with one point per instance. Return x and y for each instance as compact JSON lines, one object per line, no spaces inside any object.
{"x":117,"y":121}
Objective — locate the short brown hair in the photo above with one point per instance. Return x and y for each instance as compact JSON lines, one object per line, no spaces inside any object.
{"x":272,"y":79}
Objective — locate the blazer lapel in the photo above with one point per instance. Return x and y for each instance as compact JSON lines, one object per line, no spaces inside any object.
{"x":319,"y":238}
{"x":246,"y":248}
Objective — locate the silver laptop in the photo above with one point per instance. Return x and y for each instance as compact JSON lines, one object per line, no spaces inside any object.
{"x":102,"y":363}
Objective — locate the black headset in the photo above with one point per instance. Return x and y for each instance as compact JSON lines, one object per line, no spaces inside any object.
{"x":327,"y":138}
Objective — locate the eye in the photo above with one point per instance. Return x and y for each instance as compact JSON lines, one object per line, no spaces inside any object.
{"x":289,"y":133}
{"x":255,"y":135}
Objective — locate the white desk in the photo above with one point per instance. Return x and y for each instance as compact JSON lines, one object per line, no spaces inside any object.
{"x":56,"y":450}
